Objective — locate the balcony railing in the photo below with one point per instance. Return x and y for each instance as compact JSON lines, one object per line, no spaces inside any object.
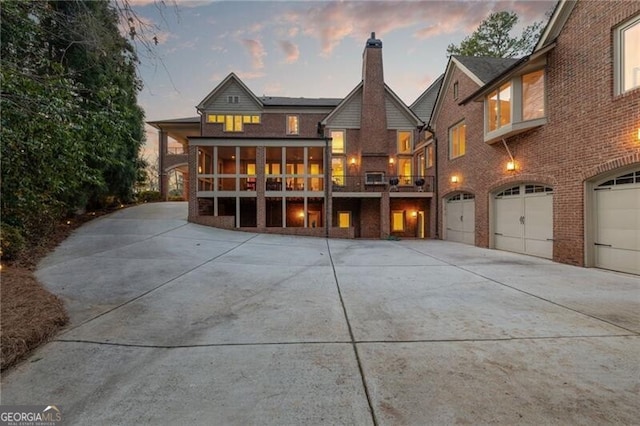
{"x":387,"y":184}
{"x":176,"y":150}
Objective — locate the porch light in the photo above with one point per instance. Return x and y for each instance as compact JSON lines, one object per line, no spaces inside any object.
{"x":353,"y":161}
{"x":455,"y":179}
{"x":511,"y":166}
{"x":301,"y":215}
{"x":391,"y":160}
{"x":199,"y":169}
{"x":414,"y":214}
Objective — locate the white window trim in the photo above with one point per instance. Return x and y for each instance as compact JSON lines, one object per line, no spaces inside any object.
{"x":618,"y":41}
{"x":459,"y":123}
{"x":289,"y":132}
{"x":344,"y":142}
{"x":407,"y":152}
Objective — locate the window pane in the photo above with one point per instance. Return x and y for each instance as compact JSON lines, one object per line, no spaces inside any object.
{"x":338,"y":170}
{"x":429,"y":158}
{"x":295,"y":160}
{"x":533,"y":95}
{"x":421,"y":165}
{"x":337,"y":144}
{"x":211,"y":118}
{"x":228,"y":123}
{"x":220,"y":119}
{"x":255,"y":119}
{"x":397,"y":221}
{"x":226,"y":160}
{"x":505,"y":104}
{"x":493,"y":111}
{"x":462,"y":143}
{"x":631,"y":57}
{"x":292,"y":125}
{"x":274,"y":160}
{"x":404,"y":142}
{"x":404,"y":171}
{"x":316,"y":160}
{"x":246,"y":119}
{"x":344,"y":219}
{"x":237,"y":121}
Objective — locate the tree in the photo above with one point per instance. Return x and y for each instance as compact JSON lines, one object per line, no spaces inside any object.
{"x":493,"y":38}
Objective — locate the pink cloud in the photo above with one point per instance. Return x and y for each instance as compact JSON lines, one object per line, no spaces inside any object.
{"x":290,"y":50}
{"x":256,"y":51}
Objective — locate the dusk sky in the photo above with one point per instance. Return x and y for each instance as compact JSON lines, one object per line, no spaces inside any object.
{"x":300,"y":49}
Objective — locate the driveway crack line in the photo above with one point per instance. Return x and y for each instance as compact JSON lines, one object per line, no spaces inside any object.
{"x":353,"y":341}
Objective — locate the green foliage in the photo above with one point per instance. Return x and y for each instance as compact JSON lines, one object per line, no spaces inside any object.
{"x":149,"y":196}
{"x":11,"y":241}
{"x":493,"y":38}
{"x":70,"y":127}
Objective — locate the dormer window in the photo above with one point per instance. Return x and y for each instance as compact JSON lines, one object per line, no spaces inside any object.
{"x":232,"y":99}
{"x":515,"y":106}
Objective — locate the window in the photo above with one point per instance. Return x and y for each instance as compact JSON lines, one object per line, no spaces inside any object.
{"x":533,"y":95}
{"x":405,"y":142}
{"x":344,"y":219}
{"x":457,"y":140}
{"x":404,"y":171}
{"x":232,"y":99}
{"x":338,"y":171}
{"x":429,"y":156}
{"x":374,"y":178}
{"x":337,"y":142}
{"x":499,"y":104}
{"x":397,"y":221}
{"x":455,"y":90}
{"x":627,"y":56}
{"x":421,"y":165}
{"x":233,"y":123}
{"x":293,"y":125}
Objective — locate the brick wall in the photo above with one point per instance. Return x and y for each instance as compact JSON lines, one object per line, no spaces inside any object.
{"x":589,"y":130}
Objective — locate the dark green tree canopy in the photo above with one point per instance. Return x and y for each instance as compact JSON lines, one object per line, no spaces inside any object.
{"x":493,"y":38}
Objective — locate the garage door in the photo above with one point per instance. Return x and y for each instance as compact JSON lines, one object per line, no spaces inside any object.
{"x":461,"y":218}
{"x":523,"y":220}
{"x":617,"y":220}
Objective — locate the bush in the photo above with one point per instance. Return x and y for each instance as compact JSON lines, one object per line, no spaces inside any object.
{"x":149,"y":196}
{"x":12,"y":241}
{"x":175,"y":198}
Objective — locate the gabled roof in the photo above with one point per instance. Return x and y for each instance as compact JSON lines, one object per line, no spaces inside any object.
{"x":405,"y":109}
{"x":219,"y":87}
{"x":304,"y":102}
{"x":342,"y":104}
{"x":485,"y":68}
{"x":423,"y":106}
{"x":558,"y":18}
{"x":186,"y":120}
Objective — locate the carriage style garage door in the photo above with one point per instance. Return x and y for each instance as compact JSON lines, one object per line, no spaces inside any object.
{"x":523,"y":220}
{"x":460,"y":218}
{"x":617,"y":223}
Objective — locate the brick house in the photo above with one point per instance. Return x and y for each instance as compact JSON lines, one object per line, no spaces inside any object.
{"x":543,"y":157}
{"x":305,"y":166}
{"x":538,"y":155}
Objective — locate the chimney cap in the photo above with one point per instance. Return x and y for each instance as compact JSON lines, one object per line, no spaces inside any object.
{"x":374,"y":42}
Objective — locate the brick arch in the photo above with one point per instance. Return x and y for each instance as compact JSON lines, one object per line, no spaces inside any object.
{"x":611,"y":165}
{"x":546,"y":180}
{"x":458,"y":191}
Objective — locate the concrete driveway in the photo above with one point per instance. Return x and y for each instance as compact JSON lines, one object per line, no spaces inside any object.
{"x":175,"y":323}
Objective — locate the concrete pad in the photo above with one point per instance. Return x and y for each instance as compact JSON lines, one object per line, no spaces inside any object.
{"x":92,"y":285}
{"x":276,"y":254}
{"x":233,"y":385}
{"x":290,"y":240}
{"x":200,"y":232}
{"x":447,"y":303}
{"x":163,"y":247}
{"x":223,"y":303}
{"x":152,"y":211}
{"x":535,"y":382}
{"x":377,"y":253}
{"x":110,"y":225}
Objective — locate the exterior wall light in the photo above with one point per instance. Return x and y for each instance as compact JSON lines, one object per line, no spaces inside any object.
{"x":353,"y":161}
{"x":455,"y":179}
{"x":414,"y":214}
{"x":391,"y":160}
{"x":639,"y":134}
{"x":511,"y":166}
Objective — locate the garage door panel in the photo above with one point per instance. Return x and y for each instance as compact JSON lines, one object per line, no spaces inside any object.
{"x":541,"y":248}
{"x":469,"y":216}
{"x":538,"y":215}
{"x":618,"y":260}
{"x":460,"y":217}
{"x":508,"y":213}
{"x":507,"y":243}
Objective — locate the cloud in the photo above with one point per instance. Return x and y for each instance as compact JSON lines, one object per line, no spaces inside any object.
{"x":332,"y":22}
{"x":290,"y":50}
{"x":250,"y":75}
{"x":256,"y":51}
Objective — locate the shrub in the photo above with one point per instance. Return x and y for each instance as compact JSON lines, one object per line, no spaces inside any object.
{"x":12,"y":241}
{"x":148,"y":196}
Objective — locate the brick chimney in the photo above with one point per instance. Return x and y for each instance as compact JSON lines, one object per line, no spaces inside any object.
{"x":373,"y":119}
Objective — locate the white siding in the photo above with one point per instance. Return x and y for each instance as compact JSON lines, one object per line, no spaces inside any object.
{"x":349,"y":115}
{"x":396,"y":115}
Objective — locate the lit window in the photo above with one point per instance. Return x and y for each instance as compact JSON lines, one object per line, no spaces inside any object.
{"x":533,"y":95}
{"x":404,"y":142}
{"x":344,"y":219}
{"x":421,"y":165}
{"x":457,"y":140}
{"x":499,"y":104}
{"x":627,"y":55}
{"x":338,"y":171}
{"x":293,"y":125}
{"x":429,"y":157}
{"x":404,"y":170}
{"x":337,"y":142}
{"x":255,"y":119}
{"x":397,"y":221}
{"x":233,"y":123}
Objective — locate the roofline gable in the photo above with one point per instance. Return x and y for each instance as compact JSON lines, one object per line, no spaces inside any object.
{"x":342,"y":104}
{"x":427,"y":90}
{"x":227,"y":79}
{"x":556,"y":23}
{"x":408,"y":112}
{"x":467,"y":71}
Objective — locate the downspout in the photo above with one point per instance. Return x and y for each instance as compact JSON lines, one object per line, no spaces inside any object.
{"x":435,"y":183}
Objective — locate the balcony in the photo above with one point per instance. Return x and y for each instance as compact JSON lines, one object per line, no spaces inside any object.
{"x":401,"y":184}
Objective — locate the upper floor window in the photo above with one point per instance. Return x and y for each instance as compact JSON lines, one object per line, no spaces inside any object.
{"x":429,"y":156}
{"x":232,"y":99}
{"x":293,"y":125}
{"x":499,"y":107}
{"x":405,"y":142}
{"x":457,"y":140}
{"x":337,"y":142}
{"x":533,"y":95}
{"x":421,"y":165}
{"x":627,"y":56}
{"x":233,"y":123}
{"x":455,"y":90}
